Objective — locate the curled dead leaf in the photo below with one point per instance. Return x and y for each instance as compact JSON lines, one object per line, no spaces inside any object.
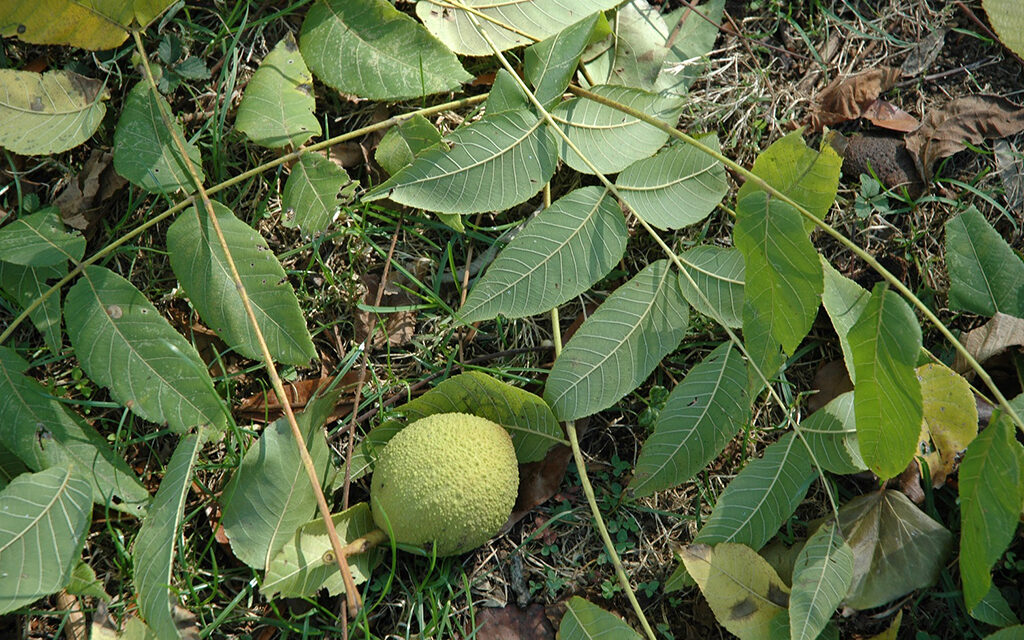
{"x":1000,"y":333}
{"x":846,"y":98}
{"x":512,"y":623}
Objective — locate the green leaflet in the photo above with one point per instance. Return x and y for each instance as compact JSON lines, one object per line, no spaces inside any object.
{"x":584,"y":620}
{"x":821,"y":578}
{"x":550,"y":64}
{"x":618,"y":346}
{"x":885,"y":342}
{"x":985,"y":274}
{"x":558,"y":255}
{"x":370,"y":49}
{"x":718,"y":274}
{"x":310,"y":197}
{"x":198,"y":260}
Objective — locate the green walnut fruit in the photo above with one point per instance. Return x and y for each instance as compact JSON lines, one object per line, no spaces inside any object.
{"x":449,"y":479}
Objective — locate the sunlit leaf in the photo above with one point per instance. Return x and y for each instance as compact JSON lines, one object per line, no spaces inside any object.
{"x":496,"y":162}
{"x":896,"y":547}
{"x":678,"y":186}
{"x":844,"y":300}
{"x":269,"y":496}
{"x":950,"y":419}
{"x":985,"y":275}
{"x":718,"y":273}
{"x":506,"y":95}
{"x":311,"y":194}
{"x":92,"y":24}
{"x":991,"y":494}
{"x":278,"y":104}
{"x":201,"y":266}
{"x":401,"y":144}
{"x":153,"y":554}
{"x":43,"y":521}
{"x":558,"y":255}
{"x":370,"y":49}
{"x":144,"y":149}
{"x":742,"y":589}
{"x":764,"y":494}
{"x":305,"y":563}
{"x":584,"y":620}
{"x":85,"y":583}
{"x":701,"y":415}
{"x":43,"y":433}
{"x":637,"y":49}
{"x":508,"y":25}
{"x":122,"y":343}
{"x":885,"y":342}
{"x":608,"y":138}
{"x":44,"y":113}
{"x":821,"y":577}
{"x":618,"y":346}
{"x":831,"y":433}
{"x":1006,"y":19}
{"x":551,"y":63}
{"x":808,"y":177}
{"x":688,"y":42}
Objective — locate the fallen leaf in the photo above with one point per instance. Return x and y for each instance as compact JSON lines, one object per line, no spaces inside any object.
{"x":512,"y":623}
{"x":399,"y":326}
{"x":1008,"y":22}
{"x":886,"y":115}
{"x":962,"y":121}
{"x":909,"y":482}
{"x":81,"y":201}
{"x":949,"y":423}
{"x":831,"y":381}
{"x":1010,"y":165}
{"x":923,"y":54}
{"x":538,"y":481}
{"x":989,"y":340}
{"x":265,"y":407}
{"x":846,"y":98}
{"x":881,"y":155}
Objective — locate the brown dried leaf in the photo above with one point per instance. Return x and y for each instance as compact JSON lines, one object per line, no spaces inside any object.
{"x":921,"y":57}
{"x":265,"y":407}
{"x":399,"y":326}
{"x":886,"y":115}
{"x":846,"y":98}
{"x":1010,"y":165}
{"x":538,"y":481}
{"x":81,"y":201}
{"x":963,"y":120}
{"x":512,"y":623}
{"x":832,"y":380}
{"x":991,"y":339}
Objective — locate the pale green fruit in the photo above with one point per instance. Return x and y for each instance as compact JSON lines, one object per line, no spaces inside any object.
{"x":450,"y":479}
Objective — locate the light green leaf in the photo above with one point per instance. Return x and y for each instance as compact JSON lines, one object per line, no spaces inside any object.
{"x":783,"y":274}
{"x":618,"y":346}
{"x":401,"y":144}
{"x":558,"y":255}
{"x":43,"y":433}
{"x":39,"y":240}
{"x":506,"y":95}
{"x":370,"y":49}
{"x":310,"y":197}
{"x":679,"y":186}
{"x":718,"y":273}
{"x":51,"y":112}
{"x":584,"y":620}
{"x":764,"y":494}
{"x":496,"y":162}
{"x":885,"y":342}
{"x":991,"y":494}
{"x":28,"y":284}
{"x":508,"y":25}
{"x":534,"y":429}
{"x":701,"y":415}
{"x":153,"y":554}
{"x":844,"y":300}
{"x":144,"y":149}
{"x":896,"y":547}
{"x":85,"y":583}
{"x":270,"y":496}
{"x":201,"y":266}
{"x":831,"y":433}
{"x":764,"y":351}
{"x":608,"y":138}
{"x":993,"y":609}
{"x":122,"y":343}
{"x":694,"y":38}
{"x":43,"y":521}
{"x":550,"y":64}
{"x":810,"y":178}
{"x":1015,"y":632}
{"x":821,"y":578}
{"x":950,"y":420}
{"x":96,"y":24}
{"x":302,"y":568}
{"x":985,"y":274}
{"x":278,"y":104}
{"x":1006,"y":19}
{"x":742,"y":589}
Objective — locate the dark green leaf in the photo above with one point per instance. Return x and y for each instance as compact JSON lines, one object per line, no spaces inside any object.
{"x":39,"y":240}
{"x":985,"y":274}
{"x":310,"y":197}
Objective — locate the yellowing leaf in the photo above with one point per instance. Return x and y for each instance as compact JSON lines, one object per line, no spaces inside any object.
{"x":950,"y":419}
{"x":90,"y":24}
{"x":43,"y":113}
{"x":740,"y":586}
{"x":892,"y":631}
